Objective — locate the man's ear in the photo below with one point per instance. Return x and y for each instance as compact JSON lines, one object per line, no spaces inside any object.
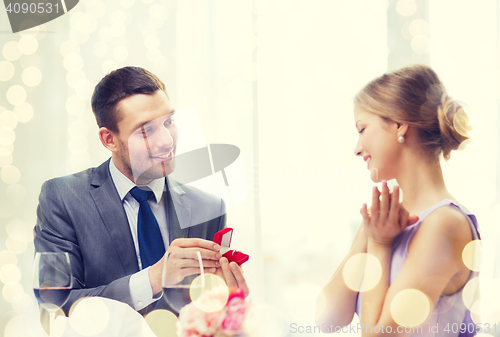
{"x":402,"y":129}
{"x":108,"y":139}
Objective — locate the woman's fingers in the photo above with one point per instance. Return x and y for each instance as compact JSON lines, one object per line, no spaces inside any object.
{"x":403,"y":219}
{"x":384,"y":201}
{"x":375,"y":209}
{"x":364,"y":214}
{"x":394,"y":209}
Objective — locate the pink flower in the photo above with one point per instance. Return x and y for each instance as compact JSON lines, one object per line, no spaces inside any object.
{"x":194,"y":322}
{"x":234,"y":315}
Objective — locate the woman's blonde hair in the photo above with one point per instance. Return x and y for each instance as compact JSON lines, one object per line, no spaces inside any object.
{"x":415,"y":96}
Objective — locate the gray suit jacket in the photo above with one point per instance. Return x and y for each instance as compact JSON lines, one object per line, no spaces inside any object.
{"x":82,"y":214}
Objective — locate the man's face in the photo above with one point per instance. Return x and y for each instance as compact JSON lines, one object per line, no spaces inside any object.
{"x":147,"y":137}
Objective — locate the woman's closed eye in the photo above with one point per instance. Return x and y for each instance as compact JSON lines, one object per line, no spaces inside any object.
{"x":361,"y":131}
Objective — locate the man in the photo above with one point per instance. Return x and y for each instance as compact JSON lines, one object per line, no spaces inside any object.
{"x":116,"y":240}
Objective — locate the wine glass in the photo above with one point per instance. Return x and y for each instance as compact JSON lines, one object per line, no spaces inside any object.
{"x":178,"y":295}
{"x":208,"y":291}
{"x":52,"y":282}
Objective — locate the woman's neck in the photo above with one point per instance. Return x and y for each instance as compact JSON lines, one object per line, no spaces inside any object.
{"x":421,"y":181}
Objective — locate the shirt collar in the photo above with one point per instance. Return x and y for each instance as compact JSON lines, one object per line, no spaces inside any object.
{"x":124,"y":185}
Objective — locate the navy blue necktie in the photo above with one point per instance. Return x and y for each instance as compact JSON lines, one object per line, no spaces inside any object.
{"x":151,"y":247}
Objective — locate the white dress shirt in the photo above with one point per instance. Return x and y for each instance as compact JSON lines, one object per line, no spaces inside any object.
{"x":140,"y":287}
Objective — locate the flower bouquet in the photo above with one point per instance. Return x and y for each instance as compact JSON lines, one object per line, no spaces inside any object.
{"x":226,"y":322}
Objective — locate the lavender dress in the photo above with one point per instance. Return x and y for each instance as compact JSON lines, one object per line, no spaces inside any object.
{"x":449,"y":310}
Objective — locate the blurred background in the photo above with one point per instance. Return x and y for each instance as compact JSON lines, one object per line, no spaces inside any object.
{"x":275,"y":78}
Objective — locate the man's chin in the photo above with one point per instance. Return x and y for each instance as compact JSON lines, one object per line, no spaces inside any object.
{"x":158,"y":171}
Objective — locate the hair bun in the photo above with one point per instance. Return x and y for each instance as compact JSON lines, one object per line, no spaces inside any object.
{"x":453,"y":124}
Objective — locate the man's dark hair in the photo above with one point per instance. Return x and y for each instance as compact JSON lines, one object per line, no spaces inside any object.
{"x":117,"y":85}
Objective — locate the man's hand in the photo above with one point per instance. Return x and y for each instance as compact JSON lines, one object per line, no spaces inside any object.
{"x":183,"y":261}
{"x":233,"y":275}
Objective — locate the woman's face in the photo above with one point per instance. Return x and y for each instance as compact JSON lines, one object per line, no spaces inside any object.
{"x":377,"y":144}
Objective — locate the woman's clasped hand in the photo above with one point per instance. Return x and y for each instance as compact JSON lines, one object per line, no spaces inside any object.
{"x":387,"y":217}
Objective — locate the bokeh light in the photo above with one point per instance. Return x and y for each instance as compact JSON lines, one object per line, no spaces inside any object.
{"x":28,"y":45}
{"x":118,"y":29}
{"x":7,"y":257}
{"x":151,"y":42}
{"x":73,"y":61}
{"x":209,"y":292}
{"x":410,"y":307}
{"x":74,"y":77}
{"x":11,"y":292}
{"x":105,"y":34}
{"x":10,"y":274}
{"x":16,"y":193}
{"x":158,"y":12}
{"x":75,"y":105}
{"x":148,"y":31}
{"x":16,"y":94}
{"x":127,"y":3}
{"x":32,"y":76}
{"x":12,"y":328}
{"x":78,"y":36}
{"x":120,"y":53}
{"x":33,"y":31}
{"x":69,"y":46}
{"x":8,"y":119}
{"x":7,"y":136}
{"x":7,"y":70}
{"x":20,"y":230}
{"x":78,"y":144}
{"x":472,"y":255}
{"x":156,"y":23}
{"x":461,"y":122}
{"x":6,"y":150}
{"x":470,"y":293}
{"x":154,"y":55}
{"x":406,"y":7}
{"x":108,"y":66}
{"x":10,"y":174}
{"x":100,"y":49}
{"x":22,"y":303}
{"x":6,"y":160}
{"x":89,"y":316}
{"x":79,"y":161}
{"x":11,"y":51}
{"x":84,"y":89}
{"x":118,"y":16}
{"x":78,"y":128}
{"x":419,"y":27}
{"x":95,"y":8}
{"x":24,"y":112}
{"x":80,"y":21}
{"x":162,"y":322}
{"x":420,"y":44}
{"x":362,"y":272}
{"x":16,"y":246}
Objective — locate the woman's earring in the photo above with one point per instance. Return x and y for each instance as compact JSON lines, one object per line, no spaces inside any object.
{"x":401,"y":139}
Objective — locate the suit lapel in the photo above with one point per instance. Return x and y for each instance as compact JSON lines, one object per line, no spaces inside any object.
{"x":113,"y":216}
{"x":179,"y":211}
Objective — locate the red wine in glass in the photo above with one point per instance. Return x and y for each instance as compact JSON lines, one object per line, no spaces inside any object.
{"x":56,"y":296}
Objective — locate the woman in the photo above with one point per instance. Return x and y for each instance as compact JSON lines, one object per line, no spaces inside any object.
{"x":405,"y":122}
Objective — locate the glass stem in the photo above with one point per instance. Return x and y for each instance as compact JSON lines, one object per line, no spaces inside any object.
{"x":52,"y":318}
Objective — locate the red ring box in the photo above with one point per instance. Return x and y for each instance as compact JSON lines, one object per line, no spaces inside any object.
{"x":223,"y":238}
